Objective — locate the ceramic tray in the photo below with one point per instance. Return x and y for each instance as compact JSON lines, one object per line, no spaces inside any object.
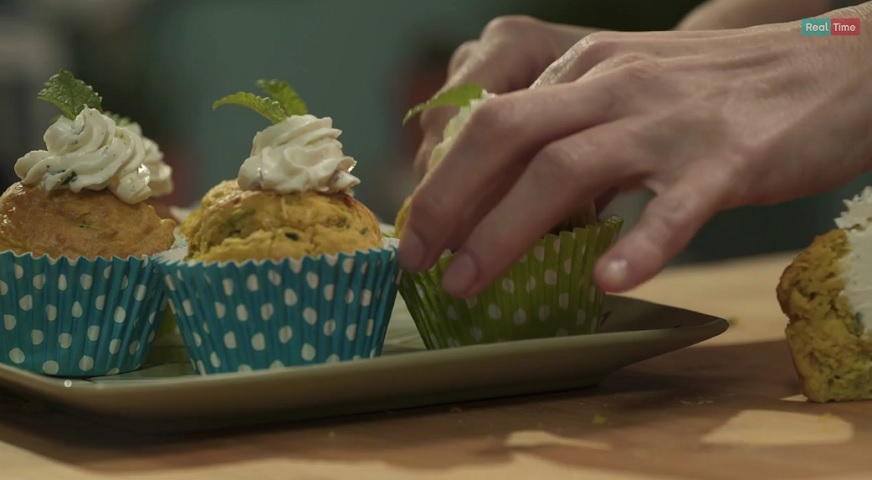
{"x":169,"y":397}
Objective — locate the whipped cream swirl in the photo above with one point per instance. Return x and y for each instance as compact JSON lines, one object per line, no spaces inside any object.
{"x":301,"y":153}
{"x":161,"y":182}
{"x":453,"y":129}
{"x":90,"y":152}
{"x":856,"y":264}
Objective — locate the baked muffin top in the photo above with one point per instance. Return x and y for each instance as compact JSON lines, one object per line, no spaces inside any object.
{"x":87,"y":224}
{"x":264,"y":224}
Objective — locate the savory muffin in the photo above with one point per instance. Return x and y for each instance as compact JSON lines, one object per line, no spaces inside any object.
{"x":86,"y":224}
{"x":79,"y":289}
{"x":825,"y":293}
{"x":85,"y":195}
{"x":285,"y":242}
{"x":291,"y":199}
{"x":259,"y":224}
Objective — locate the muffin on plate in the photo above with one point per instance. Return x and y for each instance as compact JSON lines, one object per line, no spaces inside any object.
{"x":549,"y":292}
{"x":283,"y":266}
{"x":79,"y":292}
{"x":825,"y":293}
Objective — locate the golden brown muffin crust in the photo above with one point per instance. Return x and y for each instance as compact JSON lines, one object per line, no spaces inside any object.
{"x":259,"y":224}
{"x":87,"y":224}
{"x":213,"y":196}
{"x":832,"y":356}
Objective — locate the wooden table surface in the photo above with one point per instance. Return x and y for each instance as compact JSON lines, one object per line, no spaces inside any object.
{"x":725,"y":409}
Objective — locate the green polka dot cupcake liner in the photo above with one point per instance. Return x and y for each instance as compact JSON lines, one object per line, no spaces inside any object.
{"x":549,"y":292}
{"x":78,"y":317}
{"x":257,"y":315}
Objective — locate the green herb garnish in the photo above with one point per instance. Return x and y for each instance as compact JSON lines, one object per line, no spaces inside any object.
{"x":283,"y":101}
{"x":71,"y":177}
{"x":460,"y":96}
{"x":70,"y":94}
{"x":267,"y":107}
{"x":285,"y":94}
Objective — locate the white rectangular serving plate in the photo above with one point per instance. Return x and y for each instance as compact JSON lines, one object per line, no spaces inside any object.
{"x":171,"y":398}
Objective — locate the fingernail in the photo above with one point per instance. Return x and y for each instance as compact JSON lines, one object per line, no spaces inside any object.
{"x":411,"y":251}
{"x":460,"y":275}
{"x":615,"y":273}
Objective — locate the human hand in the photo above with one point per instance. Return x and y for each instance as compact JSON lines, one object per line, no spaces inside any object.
{"x":705,"y":120}
{"x":510,"y":55}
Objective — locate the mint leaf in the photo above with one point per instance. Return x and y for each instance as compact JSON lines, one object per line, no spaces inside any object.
{"x":459,"y":96}
{"x":285,"y":94}
{"x":269,"y":108}
{"x":70,"y":94}
{"x":119,"y":120}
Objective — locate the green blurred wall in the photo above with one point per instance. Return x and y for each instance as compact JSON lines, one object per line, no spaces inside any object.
{"x":343,"y":56}
{"x":346,"y":56}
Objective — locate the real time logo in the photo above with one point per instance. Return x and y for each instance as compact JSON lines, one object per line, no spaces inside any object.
{"x":825,"y":27}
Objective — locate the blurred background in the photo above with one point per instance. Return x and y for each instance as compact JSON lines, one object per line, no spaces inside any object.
{"x":361,"y":62}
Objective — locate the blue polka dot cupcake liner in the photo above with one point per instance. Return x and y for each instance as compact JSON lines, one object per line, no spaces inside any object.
{"x":78,"y":317}
{"x":168,"y":331}
{"x":549,"y":292}
{"x":257,"y":315}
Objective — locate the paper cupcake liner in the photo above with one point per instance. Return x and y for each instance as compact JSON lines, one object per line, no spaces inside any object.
{"x":78,"y":317}
{"x":265,"y":314}
{"x":548,"y":293}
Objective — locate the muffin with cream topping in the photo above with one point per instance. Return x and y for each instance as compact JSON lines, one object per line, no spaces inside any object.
{"x":292,"y":199}
{"x":78,"y":289}
{"x":287,"y":245}
{"x":825,"y":294}
{"x":549,"y":292}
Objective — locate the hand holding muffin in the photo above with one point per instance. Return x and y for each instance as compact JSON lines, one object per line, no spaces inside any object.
{"x":548,"y":292}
